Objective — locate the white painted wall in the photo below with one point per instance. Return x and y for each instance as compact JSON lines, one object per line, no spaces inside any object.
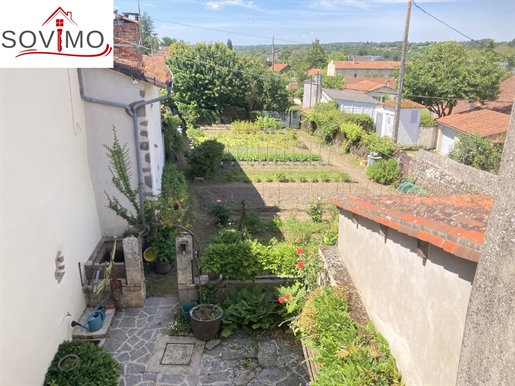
{"x":47,"y":205}
{"x":109,"y":85}
{"x":446,"y":138}
{"x":409,"y":124}
{"x":419,"y":305}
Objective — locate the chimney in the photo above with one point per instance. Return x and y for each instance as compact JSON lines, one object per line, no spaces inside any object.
{"x":388,"y":83}
{"x":353,"y":59}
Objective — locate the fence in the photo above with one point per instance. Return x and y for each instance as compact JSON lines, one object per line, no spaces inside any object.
{"x":290,"y":119}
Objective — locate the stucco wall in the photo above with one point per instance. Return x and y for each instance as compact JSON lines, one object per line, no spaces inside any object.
{"x":419,"y":305}
{"x":427,"y":137}
{"x":47,"y":205}
{"x":109,"y":85}
{"x":440,"y":174}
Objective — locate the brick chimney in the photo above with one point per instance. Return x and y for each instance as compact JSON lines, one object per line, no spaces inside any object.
{"x":127,"y":38}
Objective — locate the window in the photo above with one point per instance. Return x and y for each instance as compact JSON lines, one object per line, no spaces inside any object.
{"x":59,"y":22}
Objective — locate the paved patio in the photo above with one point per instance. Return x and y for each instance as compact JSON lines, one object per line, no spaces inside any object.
{"x":138,"y":339}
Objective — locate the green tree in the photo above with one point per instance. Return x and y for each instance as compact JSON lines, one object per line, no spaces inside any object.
{"x":337,"y":55}
{"x":480,"y":153}
{"x":229,"y":44}
{"x":149,"y":38}
{"x":316,"y":56}
{"x":166,"y":41}
{"x":336,"y":82}
{"x":446,"y":72}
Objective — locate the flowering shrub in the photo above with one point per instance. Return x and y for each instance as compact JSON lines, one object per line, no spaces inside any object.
{"x":222,"y":211}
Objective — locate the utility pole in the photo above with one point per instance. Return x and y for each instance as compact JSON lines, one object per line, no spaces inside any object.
{"x":397,"y":117}
{"x":273,"y":55}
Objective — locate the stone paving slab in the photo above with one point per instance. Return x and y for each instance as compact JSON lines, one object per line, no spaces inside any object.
{"x":148,"y":356}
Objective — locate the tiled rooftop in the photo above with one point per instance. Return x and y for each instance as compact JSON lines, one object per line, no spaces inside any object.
{"x":314,"y":71}
{"x":455,"y":223}
{"x":349,"y":96}
{"x":405,"y":104}
{"x":505,"y":99}
{"x":485,"y":122}
{"x":278,"y":67}
{"x":366,"y":65}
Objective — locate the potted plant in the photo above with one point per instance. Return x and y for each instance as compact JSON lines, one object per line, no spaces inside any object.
{"x":164,"y":247}
{"x":205,"y":320}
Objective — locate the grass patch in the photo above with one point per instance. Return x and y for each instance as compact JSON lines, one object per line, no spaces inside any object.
{"x":283,"y":175}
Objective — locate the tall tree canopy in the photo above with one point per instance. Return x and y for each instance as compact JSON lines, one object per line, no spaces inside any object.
{"x":149,"y":38}
{"x":446,"y":72}
{"x":210,"y":76}
{"x":316,"y":56}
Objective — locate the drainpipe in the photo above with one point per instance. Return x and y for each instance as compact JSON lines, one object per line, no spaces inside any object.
{"x":132,"y":111}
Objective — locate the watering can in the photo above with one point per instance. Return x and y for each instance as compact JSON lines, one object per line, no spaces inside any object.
{"x":95,"y":321}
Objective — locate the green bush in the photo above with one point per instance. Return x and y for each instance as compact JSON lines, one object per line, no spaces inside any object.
{"x":246,"y":127}
{"x":268,"y":123}
{"x":352,"y":131}
{"x":222,"y":211}
{"x":251,"y":308}
{"x":195,"y":135}
{"x":362,"y":120}
{"x":205,"y":157}
{"x":375,"y":143}
{"x":95,"y":368}
{"x":384,"y":172}
{"x":173,"y":138}
{"x":480,"y":153}
{"x":426,"y":119}
{"x":315,"y":211}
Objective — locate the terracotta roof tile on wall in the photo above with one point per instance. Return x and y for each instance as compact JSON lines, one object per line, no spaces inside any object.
{"x":350,"y":65}
{"x":456,"y":223}
{"x":405,"y":104}
{"x":485,"y":122}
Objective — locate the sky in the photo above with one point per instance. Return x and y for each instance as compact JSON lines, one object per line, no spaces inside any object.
{"x":302,"y":21}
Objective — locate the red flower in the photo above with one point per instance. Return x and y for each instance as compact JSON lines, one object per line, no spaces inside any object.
{"x":281,"y":300}
{"x":176,"y":206}
{"x":300,"y":264}
{"x":287,"y":297}
{"x":300,"y":251}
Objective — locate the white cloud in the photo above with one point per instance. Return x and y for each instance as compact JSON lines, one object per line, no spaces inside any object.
{"x":218,"y":5}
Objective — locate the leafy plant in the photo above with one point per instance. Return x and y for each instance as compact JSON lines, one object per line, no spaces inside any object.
{"x":426,"y":119}
{"x":164,"y":245}
{"x":250,"y":307}
{"x":352,"y":131}
{"x":96,"y":367}
{"x":205,"y":157}
{"x":268,"y":123}
{"x":364,"y":121}
{"x":253,"y":222}
{"x":351,"y":354}
{"x":222,"y":211}
{"x":375,"y":143}
{"x":120,"y":168}
{"x":480,"y":153}
{"x":384,"y":172}
{"x":315,"y":211}
{"x":246,"y":127}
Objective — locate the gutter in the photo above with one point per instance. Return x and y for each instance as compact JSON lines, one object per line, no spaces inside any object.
{"x":132,"y":111}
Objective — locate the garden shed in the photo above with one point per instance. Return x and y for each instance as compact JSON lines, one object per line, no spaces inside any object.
{"x":409,"y":121}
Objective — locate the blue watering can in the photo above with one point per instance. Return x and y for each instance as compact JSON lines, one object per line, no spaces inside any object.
{"x":95,"y":320}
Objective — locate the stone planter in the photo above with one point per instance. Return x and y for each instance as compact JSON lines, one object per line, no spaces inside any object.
{"x":163,"y":268}
{"x":309,"y":354}
{"x":205,"y":320}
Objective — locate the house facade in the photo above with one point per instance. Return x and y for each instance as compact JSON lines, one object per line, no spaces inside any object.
{"x":359,"y":69}
{"x":409,"y":121}
{"x":54,"y":174}
{"x":413,"y":259}
{"x":486,"y":123}
{"x":381,"y":89}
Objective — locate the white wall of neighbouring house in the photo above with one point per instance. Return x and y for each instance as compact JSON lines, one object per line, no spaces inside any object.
{"x":112,"y":86}
{"x":385,"y":124}
{"x":47,"y":205}
{"x":409,"y":127}
{"x":419,"y":305}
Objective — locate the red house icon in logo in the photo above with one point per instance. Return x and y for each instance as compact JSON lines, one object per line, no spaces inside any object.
{"x":60,"y":15}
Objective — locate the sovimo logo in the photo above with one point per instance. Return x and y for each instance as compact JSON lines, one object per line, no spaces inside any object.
{"x":78,"y":36}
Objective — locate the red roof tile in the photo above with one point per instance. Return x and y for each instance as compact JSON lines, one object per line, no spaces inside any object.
{"x":279,"y":67}
{"x":505,"y":99}
{"x":456,"y":223}
{"x":485,"y":122}
{"x":314,"y":71}
{"x":351,"y":65}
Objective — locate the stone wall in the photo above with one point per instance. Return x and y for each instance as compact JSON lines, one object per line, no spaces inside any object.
{"x":439,"y":174}
{"x":427,"y":137}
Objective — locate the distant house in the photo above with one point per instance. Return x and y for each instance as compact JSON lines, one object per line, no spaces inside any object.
{"x":354,"y":68}
{"x":294,"y":86}
{"x":413,"y":259}
{"x":503,"y":104}
{"x":274,"y":57}
{"x":283,"y":67}
{"x":313,"y":71}
{"x":409,"y":123}
{"x":382,"y":89}
{"x":486,"y":123}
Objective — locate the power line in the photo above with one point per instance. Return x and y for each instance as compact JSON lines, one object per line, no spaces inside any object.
{"x":459,"y":32}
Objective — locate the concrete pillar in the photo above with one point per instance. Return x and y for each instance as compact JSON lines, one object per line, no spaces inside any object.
{"x":133,"y":260}
{"x":187,"y":289}
{"x":488,"y":347}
